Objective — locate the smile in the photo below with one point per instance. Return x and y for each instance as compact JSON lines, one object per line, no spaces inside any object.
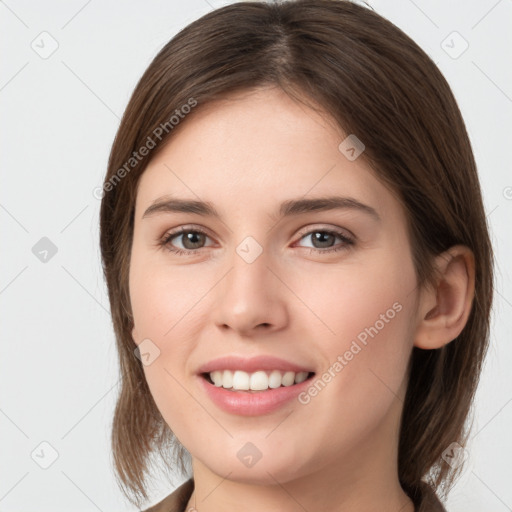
{"x":261,"y":380}
{"x":249,"y":402}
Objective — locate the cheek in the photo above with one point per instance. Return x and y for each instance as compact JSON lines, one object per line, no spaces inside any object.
{"x":166,"y":304}
{"x":362,"y":316}
{"x":161,"y":297}
{"x":160,"y":314}
{"x":365,"y":356}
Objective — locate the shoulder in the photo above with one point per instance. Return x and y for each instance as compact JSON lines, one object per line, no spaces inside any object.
{"x":176,"y":501}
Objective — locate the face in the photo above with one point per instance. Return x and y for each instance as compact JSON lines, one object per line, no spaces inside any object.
{"x":329,"y":291}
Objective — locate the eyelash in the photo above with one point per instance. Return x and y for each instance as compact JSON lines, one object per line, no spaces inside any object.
{"x":166,"y":241}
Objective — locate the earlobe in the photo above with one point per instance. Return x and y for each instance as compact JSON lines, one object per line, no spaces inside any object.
{"x":444,"y":311}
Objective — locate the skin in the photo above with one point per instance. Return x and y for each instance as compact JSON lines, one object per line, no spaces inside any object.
{"x":246,"y":155}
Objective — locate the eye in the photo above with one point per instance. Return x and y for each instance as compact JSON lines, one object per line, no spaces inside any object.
{"x":322,"y":239}
{"x":191,"y":238}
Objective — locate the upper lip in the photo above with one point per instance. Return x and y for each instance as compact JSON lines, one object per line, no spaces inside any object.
{"x":252,"y":364}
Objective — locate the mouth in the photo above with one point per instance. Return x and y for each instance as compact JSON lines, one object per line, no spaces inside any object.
{"x":260,"y":381}
{"x":257,"y":391}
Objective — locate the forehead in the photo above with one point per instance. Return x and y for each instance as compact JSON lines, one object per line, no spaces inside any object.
{"x":254,"y":148}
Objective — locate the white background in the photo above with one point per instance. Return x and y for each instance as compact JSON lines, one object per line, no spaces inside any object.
{"x":58,"y":373}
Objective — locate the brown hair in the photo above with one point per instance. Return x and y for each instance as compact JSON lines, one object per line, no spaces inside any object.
{"x":376,"y":83}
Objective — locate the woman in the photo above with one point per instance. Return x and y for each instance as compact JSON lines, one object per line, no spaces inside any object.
{"x":298,"y":264}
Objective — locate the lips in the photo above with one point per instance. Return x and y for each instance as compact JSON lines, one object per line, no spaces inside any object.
{"x":249,"y":402}
{"x":253,"y":364}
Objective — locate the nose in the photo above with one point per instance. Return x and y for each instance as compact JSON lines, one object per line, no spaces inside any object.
{"x":251,"y":297}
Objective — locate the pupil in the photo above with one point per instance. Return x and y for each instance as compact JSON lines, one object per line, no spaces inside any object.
{"x":319,"y":235}
{"x":189,"y":238}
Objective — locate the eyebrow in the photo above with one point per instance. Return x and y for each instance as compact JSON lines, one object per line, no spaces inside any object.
{"x":287,"y":208}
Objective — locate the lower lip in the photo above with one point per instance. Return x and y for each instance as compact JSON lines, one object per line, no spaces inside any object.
{"x":252,"y":404}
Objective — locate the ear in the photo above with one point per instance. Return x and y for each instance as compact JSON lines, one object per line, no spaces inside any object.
{"x":134,"y":334}
{"x":444,"y":310}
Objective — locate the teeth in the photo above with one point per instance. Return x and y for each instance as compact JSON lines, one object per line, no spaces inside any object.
{"x":257,"y":381}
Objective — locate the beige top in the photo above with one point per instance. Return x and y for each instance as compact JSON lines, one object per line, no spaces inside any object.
{"x":177,"y":500}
